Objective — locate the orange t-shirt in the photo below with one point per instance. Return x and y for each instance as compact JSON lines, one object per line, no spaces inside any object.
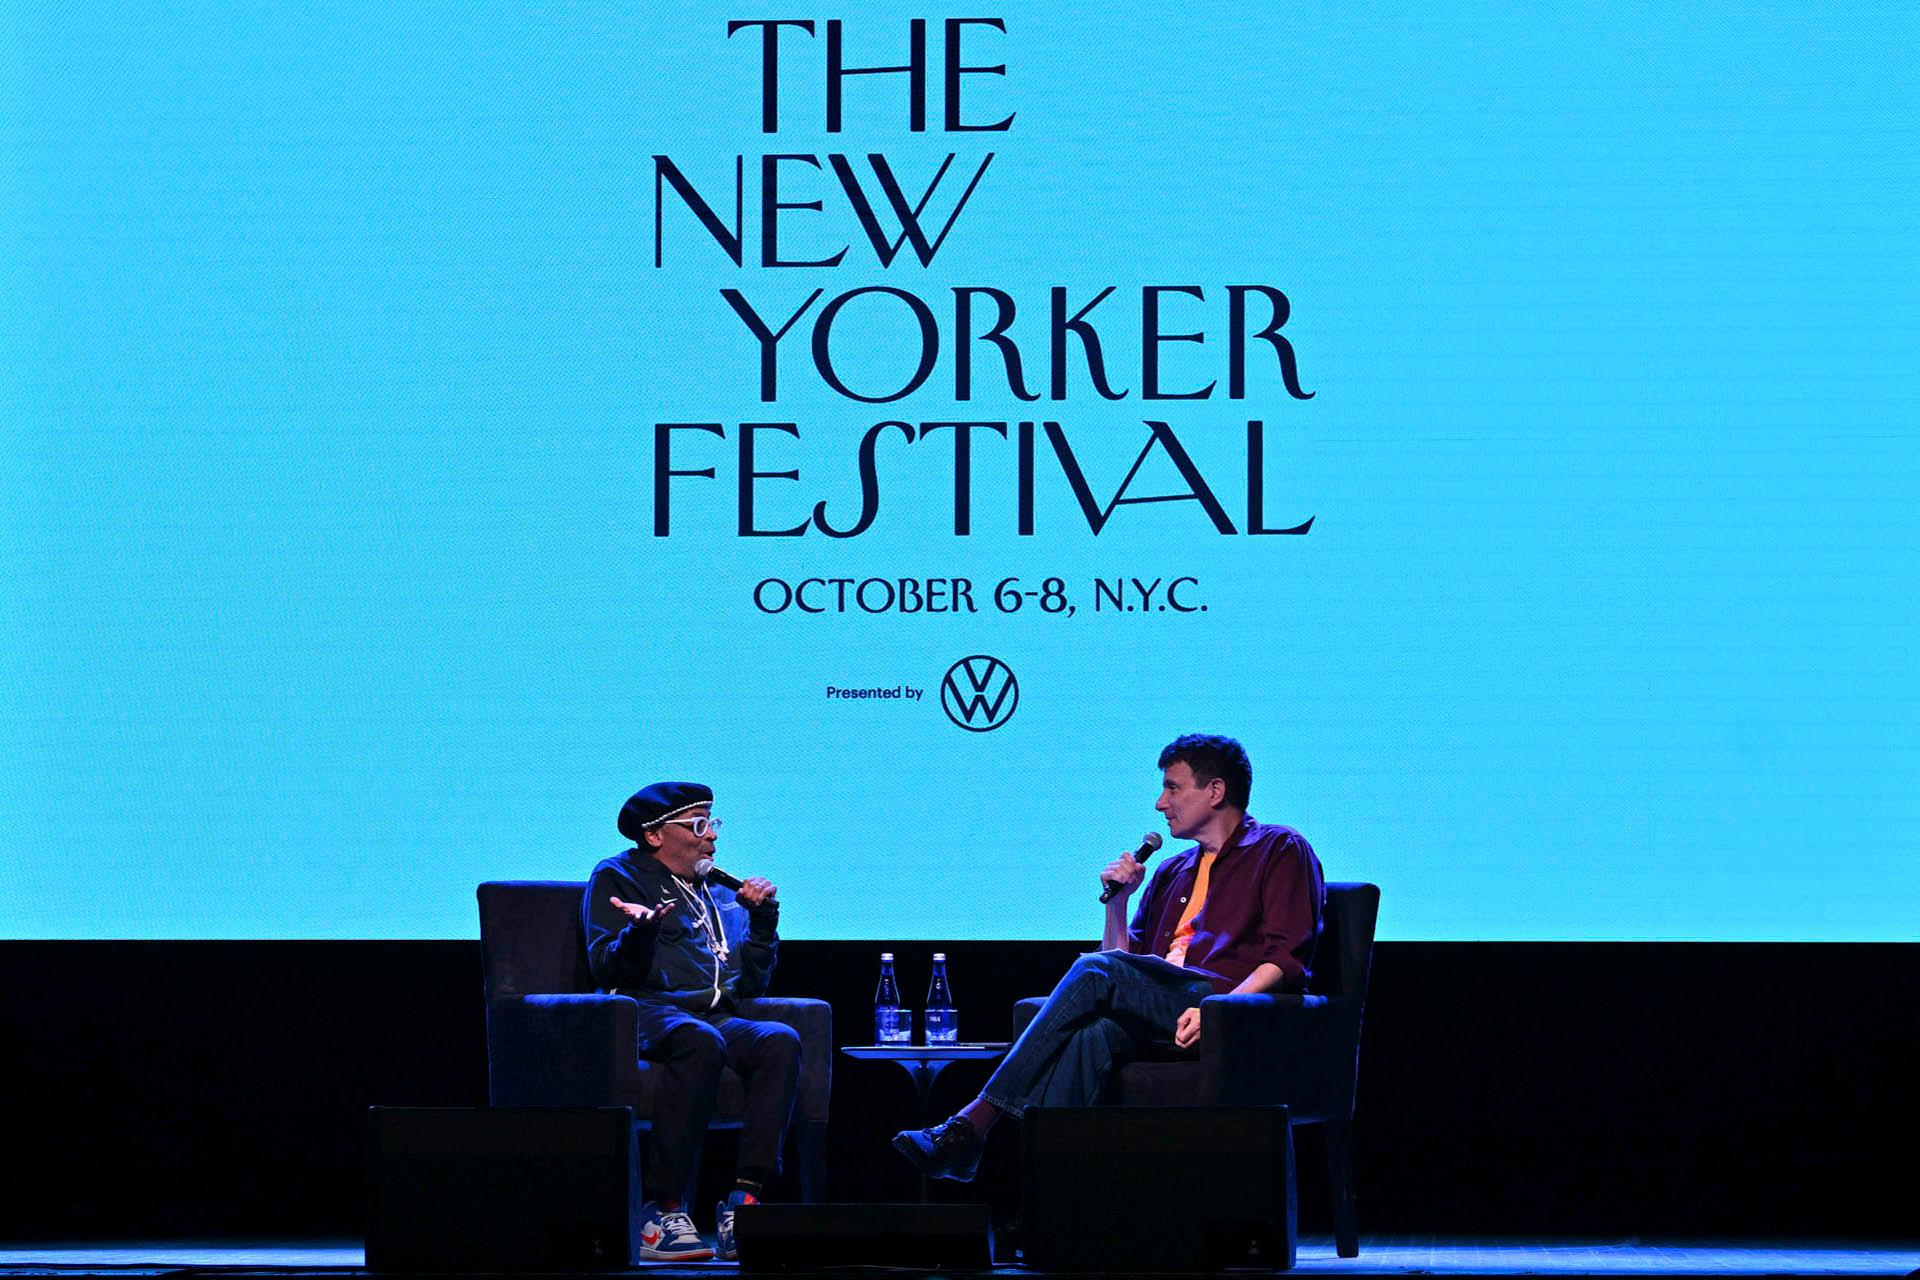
{"x":1183,"y":931}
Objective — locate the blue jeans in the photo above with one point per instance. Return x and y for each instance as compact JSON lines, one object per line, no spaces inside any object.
{"x":1109,"y":1006}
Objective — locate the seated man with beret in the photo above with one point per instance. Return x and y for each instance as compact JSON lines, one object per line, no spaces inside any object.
{"x":689,"y":952}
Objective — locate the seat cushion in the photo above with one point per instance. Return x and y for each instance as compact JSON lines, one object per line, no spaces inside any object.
{"x":1155,"y":1084}
{"x":636,"y":1091}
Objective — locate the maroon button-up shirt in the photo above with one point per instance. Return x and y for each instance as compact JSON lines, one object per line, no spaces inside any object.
{"x":1265,"y":897}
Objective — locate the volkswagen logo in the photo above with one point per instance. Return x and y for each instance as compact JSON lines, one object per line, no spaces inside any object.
{"x":979,"y":693}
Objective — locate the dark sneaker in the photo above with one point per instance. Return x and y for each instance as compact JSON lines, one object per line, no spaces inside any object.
{"x":667,"y":1235}
{"x":726,"y":1247}
{"x":951,"y":1149}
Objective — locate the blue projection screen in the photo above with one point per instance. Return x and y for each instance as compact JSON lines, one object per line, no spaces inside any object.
{"x":425,"y":424}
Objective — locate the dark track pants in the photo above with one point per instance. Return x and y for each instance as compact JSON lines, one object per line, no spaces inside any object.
{"x":686,"y":1052}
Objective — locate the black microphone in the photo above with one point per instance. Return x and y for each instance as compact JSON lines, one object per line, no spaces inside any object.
{"x":705,"y":869}
{"x":1148,"y":843}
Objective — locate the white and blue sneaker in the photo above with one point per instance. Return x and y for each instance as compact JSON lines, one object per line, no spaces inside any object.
{"x":728,"y":1249}
{"x":667,"y":1235}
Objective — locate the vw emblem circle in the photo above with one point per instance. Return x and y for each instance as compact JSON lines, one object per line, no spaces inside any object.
{"x":979,"y":693}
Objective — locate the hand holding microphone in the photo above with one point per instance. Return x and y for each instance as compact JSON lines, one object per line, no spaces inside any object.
{"x":754,"y":891}
{"x":1128,"y":870}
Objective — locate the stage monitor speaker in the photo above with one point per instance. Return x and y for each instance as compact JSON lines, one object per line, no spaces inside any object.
{"x":485,"y":1189}
{"x":1130,"y":1189}
{"x":806,"y":1237}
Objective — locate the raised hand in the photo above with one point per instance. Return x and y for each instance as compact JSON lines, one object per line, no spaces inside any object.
{"x":639,"y":914}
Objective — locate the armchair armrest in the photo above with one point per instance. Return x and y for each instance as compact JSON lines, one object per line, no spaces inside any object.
{"x":559,"y":1050}
{"x":813,"y":1020}
{"x":1024,"y":1011}
{"x":1256,"y":1050}
{"x":1300,"y":1050}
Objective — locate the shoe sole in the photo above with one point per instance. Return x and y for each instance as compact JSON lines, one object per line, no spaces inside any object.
{"x":684,"y":1255}
{"x":905,"y":1147}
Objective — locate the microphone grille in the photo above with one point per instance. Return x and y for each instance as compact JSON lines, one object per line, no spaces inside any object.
{"x":1151,"y":840}
{"x":703,"y":866}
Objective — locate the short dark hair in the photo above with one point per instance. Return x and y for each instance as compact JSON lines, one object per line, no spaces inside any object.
{"x":1211,"y":756}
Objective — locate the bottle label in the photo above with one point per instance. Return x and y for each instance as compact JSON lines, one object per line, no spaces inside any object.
{"x":892,"y":1025}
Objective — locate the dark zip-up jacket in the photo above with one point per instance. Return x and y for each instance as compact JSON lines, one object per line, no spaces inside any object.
{"x":669,"y":960}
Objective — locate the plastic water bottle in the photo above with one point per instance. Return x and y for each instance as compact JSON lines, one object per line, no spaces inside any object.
{"x":891,"y":1023}
{"x":943,"y":1024}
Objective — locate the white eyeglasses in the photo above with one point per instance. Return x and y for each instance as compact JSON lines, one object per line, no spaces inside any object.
{"x":700,"y":823}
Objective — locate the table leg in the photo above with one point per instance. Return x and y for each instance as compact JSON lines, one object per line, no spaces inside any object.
{"x":923,"y":1073}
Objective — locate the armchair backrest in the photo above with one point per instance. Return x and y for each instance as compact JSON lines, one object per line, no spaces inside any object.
{"x":1343,"y":959}
{"x":531,"y":940}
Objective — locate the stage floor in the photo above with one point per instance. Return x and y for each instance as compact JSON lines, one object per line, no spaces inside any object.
{"x":1379,"y":1256}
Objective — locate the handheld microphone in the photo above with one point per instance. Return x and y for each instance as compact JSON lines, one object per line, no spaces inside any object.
{"x":1148,"y":843}
{"x":705,"y":869}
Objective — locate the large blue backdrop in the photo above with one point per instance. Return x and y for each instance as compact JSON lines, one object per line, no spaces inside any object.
{"x":405,"y":454}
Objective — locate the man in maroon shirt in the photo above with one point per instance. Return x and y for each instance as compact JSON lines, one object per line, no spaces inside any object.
{"x":1237,"y":912}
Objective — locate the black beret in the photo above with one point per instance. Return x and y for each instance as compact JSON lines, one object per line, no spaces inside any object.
{"x":661,"y":800}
